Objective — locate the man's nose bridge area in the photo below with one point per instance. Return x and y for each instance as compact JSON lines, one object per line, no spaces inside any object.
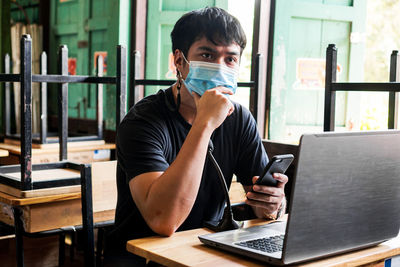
{"x":221,"y":60}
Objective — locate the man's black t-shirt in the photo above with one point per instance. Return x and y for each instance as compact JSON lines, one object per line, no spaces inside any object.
{"x":149,"y":139}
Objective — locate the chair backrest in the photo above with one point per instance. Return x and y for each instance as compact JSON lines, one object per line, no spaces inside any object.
{"x":99,"y":198}
{"x":104,"y":185}
{"x":237,"y":193}
{"x":275,"y":148}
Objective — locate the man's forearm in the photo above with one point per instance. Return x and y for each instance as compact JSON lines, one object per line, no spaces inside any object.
{"x":171,"y":196}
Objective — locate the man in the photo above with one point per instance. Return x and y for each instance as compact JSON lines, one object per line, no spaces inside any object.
{"x":165,"y":182}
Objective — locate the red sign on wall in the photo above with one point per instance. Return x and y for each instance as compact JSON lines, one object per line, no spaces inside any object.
{"x":310,"y":73}
{"x":72,"y":66}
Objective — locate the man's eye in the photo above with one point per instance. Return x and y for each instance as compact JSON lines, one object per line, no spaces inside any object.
{"x":206,"y":55}
{"x":231,"y":60}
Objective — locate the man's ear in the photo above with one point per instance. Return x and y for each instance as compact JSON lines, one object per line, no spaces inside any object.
{"x":178,"y":60}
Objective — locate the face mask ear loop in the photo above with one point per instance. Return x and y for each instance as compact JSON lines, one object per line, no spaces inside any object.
{"x":178,"y":87}
{"x":183,"y":55}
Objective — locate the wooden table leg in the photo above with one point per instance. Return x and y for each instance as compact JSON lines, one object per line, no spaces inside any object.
{"x":19,"y":229}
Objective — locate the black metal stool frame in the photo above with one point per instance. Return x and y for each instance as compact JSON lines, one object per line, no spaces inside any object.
{"x":26,"y":78}
{"x":43,"y":79}
{"x":331,"y":86}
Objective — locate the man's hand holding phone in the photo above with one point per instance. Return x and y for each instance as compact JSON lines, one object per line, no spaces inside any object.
{"x":267,"y":195}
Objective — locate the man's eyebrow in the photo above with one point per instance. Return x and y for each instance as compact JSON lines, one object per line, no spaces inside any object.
{"x":206,"y":48}
{"x":209,"y":49}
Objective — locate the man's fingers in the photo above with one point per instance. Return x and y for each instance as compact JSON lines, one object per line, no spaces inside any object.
{"x":268,"y":190}
{"x":281,"y":178}
{"x":263,"y":197}
{"x":224,"y":90}
{"x":220,"y":89}
{"x":268,"y":207}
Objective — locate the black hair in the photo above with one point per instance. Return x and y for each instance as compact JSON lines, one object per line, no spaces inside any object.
{"x":217,"y":25}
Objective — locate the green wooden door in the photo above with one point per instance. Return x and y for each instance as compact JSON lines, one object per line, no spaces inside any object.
{"x":161,"y":18}
{"x":89,"y":28}
{"x":303,"y":30}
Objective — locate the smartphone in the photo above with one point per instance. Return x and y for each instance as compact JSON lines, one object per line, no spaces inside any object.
{"x":278,"y":163}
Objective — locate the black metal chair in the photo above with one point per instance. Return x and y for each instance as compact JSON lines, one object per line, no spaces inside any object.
{"x":96,"y":176}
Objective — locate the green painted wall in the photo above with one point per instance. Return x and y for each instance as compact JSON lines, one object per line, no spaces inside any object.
{"x":31,"y":8}
{"x":303,"y":30}
{"x":86,"y":27}
{"x":5,"y":45}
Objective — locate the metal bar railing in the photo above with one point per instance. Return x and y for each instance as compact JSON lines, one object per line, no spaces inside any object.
{"x":52,"y":78}
{"x":9,"y":77}
{"x":63,"y":103}
{"x":121,"y":83}
{"x":256,"y":109}
{"x":367,"y":86}
{"x":331,"y":86}
{"x":26,"y":113}
{"x":43,"y":78}
{"x":7,"y":95}
{"x":99,"y":93}
{"x":392,"y":95}
{"x":43,"y":100}
{"x":26,"y":78}
{"x":55,"y":78}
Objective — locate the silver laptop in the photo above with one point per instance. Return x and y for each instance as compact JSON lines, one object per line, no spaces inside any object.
{"x":345,"y":196}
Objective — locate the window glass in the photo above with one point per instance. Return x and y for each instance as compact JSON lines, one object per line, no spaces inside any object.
{"x":364,"y":39}
{"x":302,"y":32}
{"x":244,"y":12}
{"x":382,"y":37}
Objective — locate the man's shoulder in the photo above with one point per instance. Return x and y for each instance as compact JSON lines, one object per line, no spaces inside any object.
{"x":241,"y":112}
{"x":150,"y":106}
{"x":241,"y":121}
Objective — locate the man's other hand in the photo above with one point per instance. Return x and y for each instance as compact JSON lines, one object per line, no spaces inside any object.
{"x":266,"y":199}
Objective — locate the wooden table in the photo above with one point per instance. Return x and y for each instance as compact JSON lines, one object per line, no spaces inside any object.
{"x":44,"y":212}
{"x":185,"y":249}
{"x":82,"y":152}
{"x":4,"y":153}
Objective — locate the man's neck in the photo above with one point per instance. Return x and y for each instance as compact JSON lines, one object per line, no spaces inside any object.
{"x":187,"y":108}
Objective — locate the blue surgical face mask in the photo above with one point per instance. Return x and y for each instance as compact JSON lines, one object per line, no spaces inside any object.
{"x":204,"y":75}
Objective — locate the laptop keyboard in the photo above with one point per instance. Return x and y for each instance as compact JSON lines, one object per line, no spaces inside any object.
{"x":270,"y":244}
